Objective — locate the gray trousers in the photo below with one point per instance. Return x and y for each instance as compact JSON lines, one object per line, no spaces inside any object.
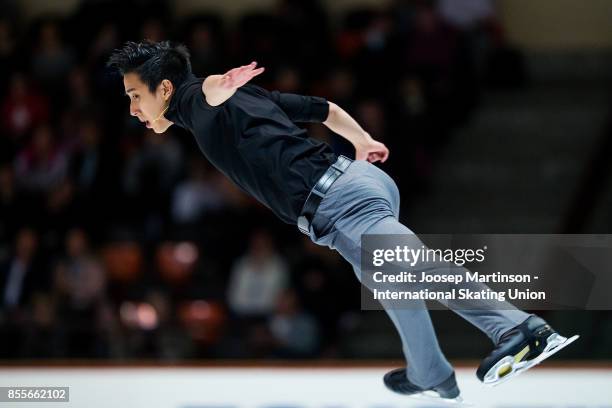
{"x":365,"y":200}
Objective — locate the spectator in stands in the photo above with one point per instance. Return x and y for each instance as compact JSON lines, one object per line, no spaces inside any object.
{"x":23,"y":108}
{"x":10,"y":208}
{"x":52,"y":60}
{"x":22,"y":273}
{"x":80,"y":98}
{"x":80,"y":285}
{"x":149,"y":176}
{"x":295,"y":331}
{"x":7,"y":52}
{"x":205,"y":46}
{"x":43,"y":164}
{"x":196,"y":195}
{"x":257,"y":278}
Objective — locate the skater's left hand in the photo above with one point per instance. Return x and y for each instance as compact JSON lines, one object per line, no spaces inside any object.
{"x":371,"y":150}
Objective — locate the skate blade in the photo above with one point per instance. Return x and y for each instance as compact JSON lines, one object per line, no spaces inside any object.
{"x":554,"y":344}
{"x":434,"y":397}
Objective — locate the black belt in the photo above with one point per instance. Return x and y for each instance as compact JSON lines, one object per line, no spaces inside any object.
{"x":318,"y":191}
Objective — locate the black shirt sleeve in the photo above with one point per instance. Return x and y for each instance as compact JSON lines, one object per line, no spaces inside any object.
{"x":299,"y":108}
{"x":188,"y":103}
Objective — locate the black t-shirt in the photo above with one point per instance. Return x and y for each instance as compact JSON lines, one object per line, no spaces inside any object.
{"x":252,"y":139}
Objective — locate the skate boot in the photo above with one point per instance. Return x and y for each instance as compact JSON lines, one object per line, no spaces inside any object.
{"x":519,"y":349}
{"x":447,"y":391}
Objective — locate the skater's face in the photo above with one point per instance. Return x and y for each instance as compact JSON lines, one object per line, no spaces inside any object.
{"x":149,"y":107}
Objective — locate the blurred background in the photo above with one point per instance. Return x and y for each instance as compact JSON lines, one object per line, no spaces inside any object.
{"x":119,"y":244}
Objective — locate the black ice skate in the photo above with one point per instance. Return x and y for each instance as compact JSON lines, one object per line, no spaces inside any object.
{"x":446,"y":391}
{"x":519,"y":349}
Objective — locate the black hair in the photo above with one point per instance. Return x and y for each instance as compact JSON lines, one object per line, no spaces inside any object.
{"x":153,"y":62}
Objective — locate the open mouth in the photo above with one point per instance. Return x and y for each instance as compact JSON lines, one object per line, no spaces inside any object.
{"x":148,"y":124}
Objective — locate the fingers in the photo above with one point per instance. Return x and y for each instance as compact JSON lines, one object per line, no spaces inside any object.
{"x":381,"y":155}
{"x":239,"y":76}
{"x":240,"y":69}
{"x":248,"y":71}
{"x":251,"y":71}
{"x":258,"y":71}
{"x":254,"y":73}
{"x":244,"y":67}
{"x":251,"y":66}
{"x":247,"y":76}
{"x":373,"y":157}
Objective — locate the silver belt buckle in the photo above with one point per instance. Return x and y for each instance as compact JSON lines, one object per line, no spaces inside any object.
{"x":303,"y":225}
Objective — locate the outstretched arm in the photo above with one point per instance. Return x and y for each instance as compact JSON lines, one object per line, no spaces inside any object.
{"x":366,"y":148}
{"x":219,"y":88}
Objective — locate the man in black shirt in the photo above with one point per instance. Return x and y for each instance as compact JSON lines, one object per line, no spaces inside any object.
{"x":249,"y":134}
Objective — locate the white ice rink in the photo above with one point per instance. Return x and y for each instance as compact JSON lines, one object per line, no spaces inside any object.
{"x":349,"y":387}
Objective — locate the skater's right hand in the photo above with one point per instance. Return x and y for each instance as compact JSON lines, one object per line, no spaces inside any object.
{"x":235,"y":78}
{"x":219,"y":88}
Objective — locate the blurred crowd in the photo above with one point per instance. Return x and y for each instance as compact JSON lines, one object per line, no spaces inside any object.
{"x":116,"y":242}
